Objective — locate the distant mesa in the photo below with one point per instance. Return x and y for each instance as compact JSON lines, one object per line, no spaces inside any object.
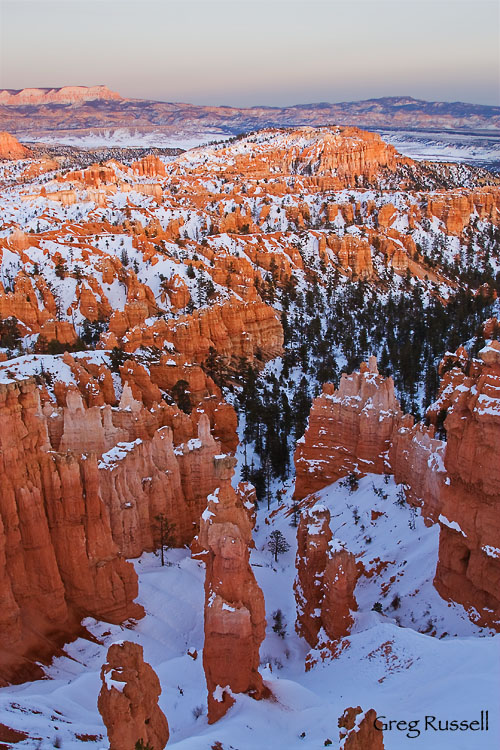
{"x":63,"y":95}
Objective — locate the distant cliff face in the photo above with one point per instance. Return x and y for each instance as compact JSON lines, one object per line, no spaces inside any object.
{"x":179,"y":119}
{"x":64,"y":95}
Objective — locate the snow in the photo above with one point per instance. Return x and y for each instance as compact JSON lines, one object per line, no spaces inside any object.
{"x":422,"y":655}
{"x":116,"y":684}
{"x":491,"y":551}
{"x":390,"y":661}
{"x":111,"y":458}
{"x":451,"y":524}
{"x":469,"y":148}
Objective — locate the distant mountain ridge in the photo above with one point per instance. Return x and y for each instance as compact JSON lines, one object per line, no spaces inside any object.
{"x":80,"y":111}
{"x":62,"y":95}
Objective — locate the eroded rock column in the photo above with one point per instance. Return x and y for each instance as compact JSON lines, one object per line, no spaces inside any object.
{"x":235,"y":620}
{"x":128,"y":701}
{"x":325,"y":582}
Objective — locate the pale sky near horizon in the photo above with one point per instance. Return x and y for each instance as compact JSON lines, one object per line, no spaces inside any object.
{"x":247,"y":52}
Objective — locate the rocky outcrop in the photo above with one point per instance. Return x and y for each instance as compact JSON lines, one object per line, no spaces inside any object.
{"x":313,"y":539}
{"x":149,"y":166}
{"x":234,"y":605}
{"x":359,"y":731}
{"x":144,"y":480}
{"x":59,"y":559}
{"x":457,"y":209}
{"x":337,"y":157}
{"x":468,"y":569}
{"x":339,"y":582}
{"x":239,"y":329}
{"x":325,"y":582}
{"x":10,"y":148}
{"x":349,"y":429}
{"x":128,"y":701}
{"x":354,"y":254}
{"x":85,"y":484}
{"x":449,"y":468}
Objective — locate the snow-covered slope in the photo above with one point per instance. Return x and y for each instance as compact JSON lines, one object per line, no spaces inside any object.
{"x":418,"y":657}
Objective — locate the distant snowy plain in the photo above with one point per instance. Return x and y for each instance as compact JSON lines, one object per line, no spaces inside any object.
{"x":476,"y":149}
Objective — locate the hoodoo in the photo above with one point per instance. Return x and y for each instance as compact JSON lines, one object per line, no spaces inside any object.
{"x":358,"y":730}
{"x":458,"y":483}
{"x":59,"y":559}
{"x":455,"y":480}
{"x":128,"y":701}
{"x":325,"y":582}
{"x":167,"y":318}
{"x":234,"y":604}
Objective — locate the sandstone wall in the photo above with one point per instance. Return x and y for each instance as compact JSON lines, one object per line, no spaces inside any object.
{"x":60,"y":561}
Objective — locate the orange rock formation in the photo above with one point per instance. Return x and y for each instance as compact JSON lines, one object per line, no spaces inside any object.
{"x":59,"y":562}
{"x":358,"y":731}
{"x":455,"y":480}
{"x":10,"y":148}
{"x":128,"y":701}
{"x":234,"y":605}
{"x":349,"y":430}
{"x":325,"y":582}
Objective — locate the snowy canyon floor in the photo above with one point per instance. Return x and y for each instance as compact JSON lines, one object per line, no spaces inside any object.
{"x":418,"y":656}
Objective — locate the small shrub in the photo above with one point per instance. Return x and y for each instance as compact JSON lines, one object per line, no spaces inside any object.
{"x":377,"y":607}
{"x":401,"y":497}
{"x":197,"y":712}
{"x":279,"y":626}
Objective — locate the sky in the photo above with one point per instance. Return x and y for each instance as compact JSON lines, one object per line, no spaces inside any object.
{"x":249,"y":52}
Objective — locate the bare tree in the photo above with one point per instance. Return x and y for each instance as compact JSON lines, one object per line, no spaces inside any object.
{"x":277,"y":544}
{"x":166,"y":531}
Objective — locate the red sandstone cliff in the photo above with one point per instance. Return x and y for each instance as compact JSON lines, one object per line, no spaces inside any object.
{"x":128,"y":701}
{"x":59,"y":560}
{"x":349,"y":430}
{"x":10,"y":148}
{"x":144,"y":479}
{"x":455,"y":480}
{"x":82,"y":487}
{"x":468,"y":568}
{"x":239,"y":329}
